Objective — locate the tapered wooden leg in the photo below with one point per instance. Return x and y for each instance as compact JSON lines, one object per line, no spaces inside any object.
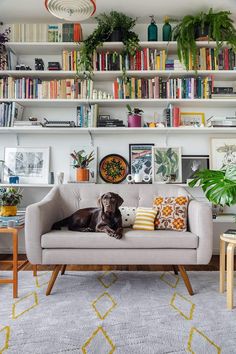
{"x":53,"y":279}
{"x":222,"y":266}
{"x":15,"y":263}
{"x":175,"y":269}
{"x":230,"y":276}
{"x":186,"y":280}
{"x":34,"y":270}
{"x":63,"y":269}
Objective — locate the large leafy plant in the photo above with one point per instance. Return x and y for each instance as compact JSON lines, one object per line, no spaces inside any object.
{"x":107,"y":23}
{"x":4,"y":37}
{"x":167,"y":161}
{"x":10,"y":196}
{"x":218,"y":186}
{"x":219,"y":26}
{"x":81,"y":160}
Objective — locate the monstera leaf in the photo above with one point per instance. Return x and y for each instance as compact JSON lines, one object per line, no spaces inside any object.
{"x":218,"y":186}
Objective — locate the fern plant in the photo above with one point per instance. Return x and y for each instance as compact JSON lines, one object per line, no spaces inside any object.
{"x":219,"y":28}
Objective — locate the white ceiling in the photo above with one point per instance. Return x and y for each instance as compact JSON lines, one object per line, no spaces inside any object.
{"x":27,"y":11}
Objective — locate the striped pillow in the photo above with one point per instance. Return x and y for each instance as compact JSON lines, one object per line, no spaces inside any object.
{"x":144,"y":219}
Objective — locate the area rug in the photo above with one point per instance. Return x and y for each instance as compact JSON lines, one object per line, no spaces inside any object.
{"x":116,"y":312}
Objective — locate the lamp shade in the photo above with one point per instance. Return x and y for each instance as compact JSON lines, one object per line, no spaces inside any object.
{"x":71,"y":10}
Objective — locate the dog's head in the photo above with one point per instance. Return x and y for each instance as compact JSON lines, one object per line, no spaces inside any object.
{"x":110,"y":202}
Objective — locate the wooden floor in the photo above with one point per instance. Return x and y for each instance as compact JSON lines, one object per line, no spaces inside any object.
{"x":213,"y":265}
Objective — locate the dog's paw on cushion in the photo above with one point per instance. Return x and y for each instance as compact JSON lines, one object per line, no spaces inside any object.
{"x":144,"y":219}
{"x":128,"y":216}
{"x":172,"y":213}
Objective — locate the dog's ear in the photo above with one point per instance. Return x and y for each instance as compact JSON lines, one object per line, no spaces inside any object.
{"x":100,"y":203}
{"x":120,"y":201}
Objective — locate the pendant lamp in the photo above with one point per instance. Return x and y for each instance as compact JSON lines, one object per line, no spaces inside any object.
{"x":71,"y":10}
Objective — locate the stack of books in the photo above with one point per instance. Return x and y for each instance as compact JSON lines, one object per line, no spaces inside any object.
{"x":223,"y":92}
{"x":108,"y":122}
{"x":87,"y":116}
{"x":231,"y":233}
{"x":43,"y":32}
{"x":28,"y":88}
{"x":176,"y":88}
{"x":10,"y":113}
{"x":18,"y":220}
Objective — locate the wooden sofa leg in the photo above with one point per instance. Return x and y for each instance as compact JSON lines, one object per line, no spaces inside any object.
{"x":175,"y":269}
{"x":186,"y":280}
{"x":53,"y":279}
{"x":34,"y":270}
{"x":63,"y":269}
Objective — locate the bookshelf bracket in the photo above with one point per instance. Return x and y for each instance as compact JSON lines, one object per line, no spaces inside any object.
{"x":91,"y":138}
{"x":17,"y":140}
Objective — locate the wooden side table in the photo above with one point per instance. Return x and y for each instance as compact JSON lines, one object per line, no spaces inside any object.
{"x":230,"y":268}
{"x":16,"y":267}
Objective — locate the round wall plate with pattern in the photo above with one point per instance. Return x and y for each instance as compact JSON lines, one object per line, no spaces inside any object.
{"x":113,"y":168}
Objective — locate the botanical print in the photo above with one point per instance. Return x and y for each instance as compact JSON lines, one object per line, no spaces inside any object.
{"x":140,"y":158}
{"x":223,"y":153}
{"x":166,"y":164}
{"x":31,"y":165}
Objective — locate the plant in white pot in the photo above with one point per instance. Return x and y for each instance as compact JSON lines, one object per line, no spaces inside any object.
{"x":134,"y":117}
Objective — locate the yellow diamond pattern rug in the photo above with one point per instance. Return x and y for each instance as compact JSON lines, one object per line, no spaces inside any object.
{"x":116,"y":312}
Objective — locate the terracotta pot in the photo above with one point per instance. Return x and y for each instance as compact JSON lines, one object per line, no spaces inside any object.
{"x":82,"y":174}
{"x":8,"y":210}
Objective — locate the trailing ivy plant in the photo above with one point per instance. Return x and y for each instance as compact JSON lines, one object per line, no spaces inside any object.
{"x":218,"y":186}
{"x":218,"y":25}
{"x":4,"y":37}
{"x":107,"y":23}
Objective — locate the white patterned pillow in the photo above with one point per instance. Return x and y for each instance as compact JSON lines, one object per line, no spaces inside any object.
{"x":128,"y":215}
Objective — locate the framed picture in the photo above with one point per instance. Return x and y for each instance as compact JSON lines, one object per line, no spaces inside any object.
{"x":85,"y":151}
{"x":192,"y":119}
{"x":166,"y":164}
{"x":140,"y":158}
{"x":191,"y":164}
{"x":30,"y":164}
{"x":222,"y":152}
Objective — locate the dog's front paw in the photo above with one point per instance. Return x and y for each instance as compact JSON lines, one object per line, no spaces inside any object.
{"x":118,"y":236}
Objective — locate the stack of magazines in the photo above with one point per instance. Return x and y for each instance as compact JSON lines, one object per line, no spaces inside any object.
{"x":18,"y":220}
{"x":231,"y":233}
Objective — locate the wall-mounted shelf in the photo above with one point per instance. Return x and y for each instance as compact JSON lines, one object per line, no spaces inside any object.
{"x":112,"y":75}
{"x":23,"y":185}
{"x":151,"y":102}
{"x":32,"y":48}
{"x":116,"y":130}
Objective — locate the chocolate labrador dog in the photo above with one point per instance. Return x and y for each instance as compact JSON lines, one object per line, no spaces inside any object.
{"x":107,"y":218}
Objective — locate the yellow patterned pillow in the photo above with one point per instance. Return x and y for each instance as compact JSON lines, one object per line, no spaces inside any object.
{"x":171,"y":213}
{"x":144,"y":219}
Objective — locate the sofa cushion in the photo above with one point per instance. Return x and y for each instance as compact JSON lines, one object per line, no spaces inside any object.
{"x":128,"y":215}
{"x":144,"y":219}
{"x":131,"y":239}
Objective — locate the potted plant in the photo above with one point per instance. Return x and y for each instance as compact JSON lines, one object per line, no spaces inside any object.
{"x":114,"y":26}
{"x":134,"y":117}
{"x":9,"y":200}
{"x":81,"y":162}
{"x":216,"y":26}
{"x":218,"y":186}
{"x":4,"y":37}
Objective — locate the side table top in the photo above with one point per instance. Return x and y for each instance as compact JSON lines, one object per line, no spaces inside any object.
{"x":231,"y":238}
{"x":5,"y":229}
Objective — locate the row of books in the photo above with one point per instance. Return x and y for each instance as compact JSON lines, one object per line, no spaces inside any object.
{"x":10,"y":113}
{"x":28,"y":88}
{"x":43,"y":32}
{"x":176,"y":88}
{"x":18,"y":220}
{"x":211,"y":59}
{"x":87,"y":116}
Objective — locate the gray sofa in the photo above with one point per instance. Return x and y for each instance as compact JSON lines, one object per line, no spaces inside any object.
{"x":63,"y":247}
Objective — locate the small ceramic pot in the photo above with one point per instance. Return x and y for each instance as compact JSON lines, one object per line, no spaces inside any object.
{"x":134,"y":121}
{"x":82,"y":174}
{"x":8,"y":210}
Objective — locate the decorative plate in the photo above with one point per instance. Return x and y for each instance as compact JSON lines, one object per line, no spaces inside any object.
{"x":113,"y":168}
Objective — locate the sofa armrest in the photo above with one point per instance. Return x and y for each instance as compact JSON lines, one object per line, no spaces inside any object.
{"x":39,"y":219}
{"x":201,"y":224}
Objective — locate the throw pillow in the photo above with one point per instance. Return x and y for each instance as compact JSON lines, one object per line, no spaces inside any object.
{"x":145,"y":218}
{"x":128,"y":216}
{"x":171,"y":213}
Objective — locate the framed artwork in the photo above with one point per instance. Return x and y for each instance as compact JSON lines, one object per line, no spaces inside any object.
{"x":140,"y":158}
{"x":113,"y":168}
{"x":193,"y":163}
{"x":86,"y":150}
{"x":30,"y":164}
{"x":166,"y":164}
{"x":222,"y":152}
{"x":192,"y":119}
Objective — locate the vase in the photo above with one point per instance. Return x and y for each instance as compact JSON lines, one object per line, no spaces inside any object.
{"x":166,"y":32}
{"x":134,"y":121}
{"x":8,"y":210}
{"x":82,"y":174}
{"x":152,"y":31}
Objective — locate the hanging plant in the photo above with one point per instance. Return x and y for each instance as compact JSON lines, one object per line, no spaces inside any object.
{"x":215,"y":26}
{"x":115,"y":26}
